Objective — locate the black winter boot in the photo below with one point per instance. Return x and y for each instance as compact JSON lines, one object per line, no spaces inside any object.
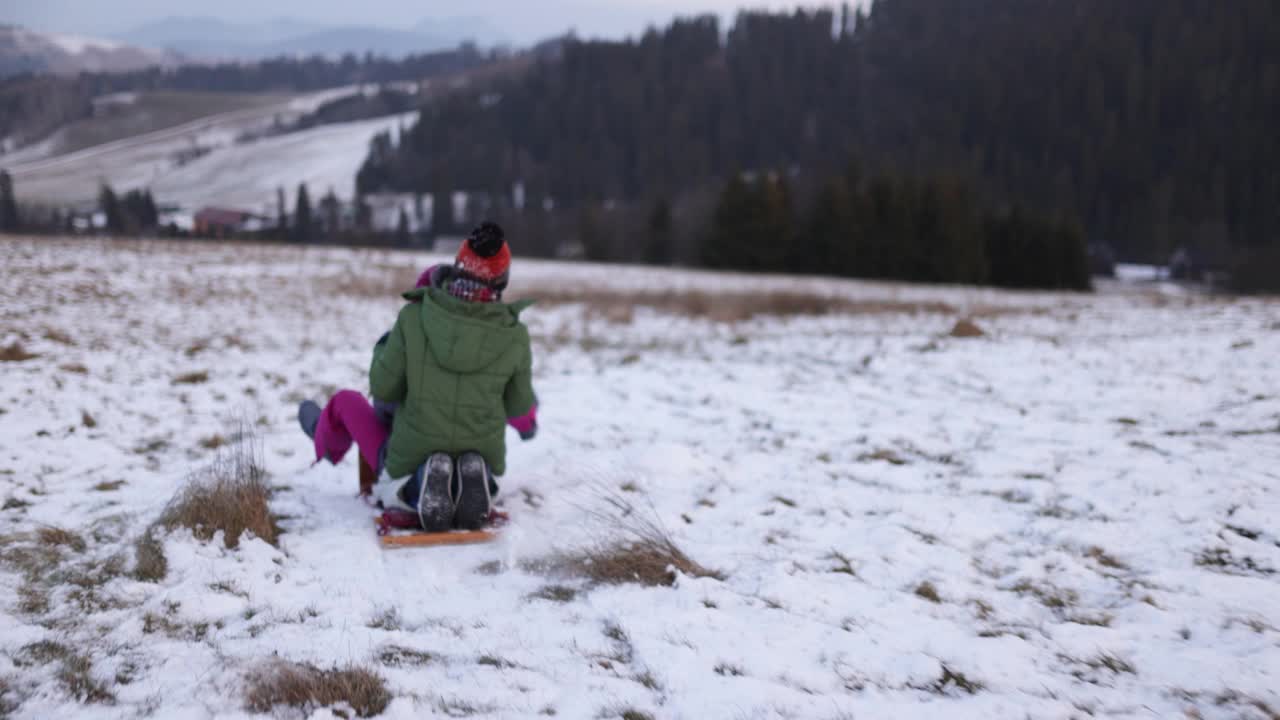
{"x":473,"y":492}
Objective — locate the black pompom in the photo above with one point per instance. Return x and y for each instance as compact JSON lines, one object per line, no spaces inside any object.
{"x":486,"y":239}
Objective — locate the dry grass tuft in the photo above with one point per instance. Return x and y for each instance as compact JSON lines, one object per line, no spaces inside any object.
{"x":150,"y":563}
{"x":952,"y":680}
{"x":554,"y":593}
{"x":966,"y":328}
{"x":213,"y":442}
{"x":58,"y":336}
{"x":75,"y":672}
{"x":14,"y":352}
{"x":1105,"y":559}
{"x":640,"y":549}
{"x":927,"y":591}
{"x":56,"y":536}
{"x":76,"y":368}
{"x":308,"y":687}
{"x":192,"y":378}
{"x":230,"y":496}
{"x":108,"y":485}
{"x":399,"y":656}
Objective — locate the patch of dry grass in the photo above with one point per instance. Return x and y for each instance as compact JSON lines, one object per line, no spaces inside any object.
{"x":927,"y":591}
{"x":55,"y":536}
{"x":192,"y":378}
{"x":13,"y":503}
{"x":637,"y":548}
{"x":725,"y":306}
{"x":75,"y":671}
{"x":150,"y":563}
{"x":14,"y":352}
{"x":213,"y":442}
{"x":230,"y":496}
{"x":399,"y":656}
{"x":305,"y":686}
{"x":55,"y":335}
{"x":966,"y":328}
{"x":554,"y":593}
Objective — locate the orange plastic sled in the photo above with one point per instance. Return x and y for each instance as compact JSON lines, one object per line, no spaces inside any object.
{"x":454,"y":537}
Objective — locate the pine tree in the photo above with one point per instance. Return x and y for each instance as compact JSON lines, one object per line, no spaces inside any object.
{"x":442,"y":222}
{"x":9,"y":221}
{"x":658,"y":246}
{"x":402,"y":229}
{"x":282,"y":215}
{"x":331,"y":210}
{"x":109,"y":205}
{"x":302,"y":228}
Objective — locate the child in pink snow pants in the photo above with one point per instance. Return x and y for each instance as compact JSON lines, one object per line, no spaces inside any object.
{"x":457,"y":313}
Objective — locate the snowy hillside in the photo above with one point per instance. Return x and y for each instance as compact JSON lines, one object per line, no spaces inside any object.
{"x":1076,"y":514}
{"x":205,"y":162}
{"x":23,"y":50}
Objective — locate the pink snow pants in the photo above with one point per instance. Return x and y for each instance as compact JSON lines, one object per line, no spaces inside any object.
{"x":349,"y":417}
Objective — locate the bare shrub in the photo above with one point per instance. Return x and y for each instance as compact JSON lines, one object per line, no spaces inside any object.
{"x":637,"y":548}
{"x":230,"y":496}
{"x":308,"y":687}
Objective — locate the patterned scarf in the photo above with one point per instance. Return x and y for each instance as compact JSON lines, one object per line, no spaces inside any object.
{"x":471,"y":289}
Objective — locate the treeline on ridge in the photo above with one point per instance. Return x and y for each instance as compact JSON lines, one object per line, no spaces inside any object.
{"x":1150,"y":122}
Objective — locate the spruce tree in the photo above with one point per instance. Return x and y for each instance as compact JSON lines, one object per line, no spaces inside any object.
{"x":402,"y":229}
{"x":302,"y":225}
{"x":658,"y":246}
{"x":8,"y":205}
{"x":282,"y":215}
{"x":109,"y":205}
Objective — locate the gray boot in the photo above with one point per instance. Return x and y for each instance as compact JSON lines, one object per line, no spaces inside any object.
{"x":309,"y":417}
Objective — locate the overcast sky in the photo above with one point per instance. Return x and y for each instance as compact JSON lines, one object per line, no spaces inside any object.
{"x":520,"y":20}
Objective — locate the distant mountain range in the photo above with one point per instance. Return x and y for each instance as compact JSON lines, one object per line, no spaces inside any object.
{"x":209,"y":38}
{"x":23,"y":50}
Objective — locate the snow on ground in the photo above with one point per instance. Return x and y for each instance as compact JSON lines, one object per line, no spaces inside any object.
{"x":326,"y":156}
{"x":1074,"y":515}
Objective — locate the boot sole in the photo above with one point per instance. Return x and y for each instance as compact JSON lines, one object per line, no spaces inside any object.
{"x":473,"y":493}
{"x":435,"y":508}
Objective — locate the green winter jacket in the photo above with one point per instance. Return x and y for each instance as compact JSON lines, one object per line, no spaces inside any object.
{"x":458,"y":370}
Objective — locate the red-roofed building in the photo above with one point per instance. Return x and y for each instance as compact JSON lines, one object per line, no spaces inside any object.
{"x":220,"y":222}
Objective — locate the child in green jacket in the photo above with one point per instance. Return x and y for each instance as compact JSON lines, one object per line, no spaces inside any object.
{"x":457,"y":367}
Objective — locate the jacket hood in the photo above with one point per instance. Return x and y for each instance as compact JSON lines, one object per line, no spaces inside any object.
{"x":466,"y":337}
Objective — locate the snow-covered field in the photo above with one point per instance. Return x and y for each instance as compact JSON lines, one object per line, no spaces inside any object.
{"x":1075,"y":515}
{"x":230,"y":173}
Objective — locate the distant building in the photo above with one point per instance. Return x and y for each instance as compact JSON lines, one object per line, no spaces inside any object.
{"x":220,"y":222}
{"x":385,"y":208}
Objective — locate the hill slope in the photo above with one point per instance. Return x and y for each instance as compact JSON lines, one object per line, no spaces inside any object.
{"x":23,"y":50}
{"x":1075,"y":514}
